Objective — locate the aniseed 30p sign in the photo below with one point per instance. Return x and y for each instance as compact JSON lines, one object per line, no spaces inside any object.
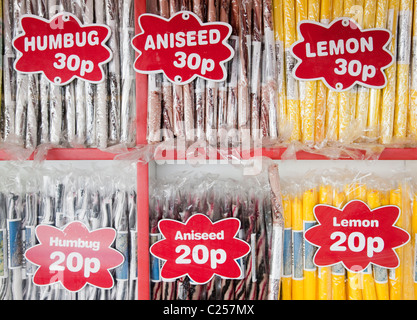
{"x":182,"y":47}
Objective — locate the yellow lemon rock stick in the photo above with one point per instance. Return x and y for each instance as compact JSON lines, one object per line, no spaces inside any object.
{"x":301,"y":14}
{"x":293,"y":102}
{"x":373,"y":119}
{"x":362,"y":103}
{"x":332,"y":111}
{"x":310,"y":269}
{"x":413,"y":237}
{"x":403,"y":68}
{"x":381,"y":274}
{"x":369,"y":289}
{"x":388,"y":93}
{"x":347,"y":99}
{"x":321,"y":95}
{"x":338,"y":271}
{"x":287,"y":259}
{"x":408,"y":257}
{"x":368,"y":283}
{"x":412,"y":112}
{"x":297,"y":254}
{"x":354,"y":283}
{"x":395,"y":275}
{"x":324,"y":284}
{"x":308,"y":101}
{"x":279,"y":43}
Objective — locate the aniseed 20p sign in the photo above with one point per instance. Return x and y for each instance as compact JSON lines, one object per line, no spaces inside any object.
{"x":200,"y":248}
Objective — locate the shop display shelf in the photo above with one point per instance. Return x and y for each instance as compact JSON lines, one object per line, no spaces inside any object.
{"x":143,"y":195}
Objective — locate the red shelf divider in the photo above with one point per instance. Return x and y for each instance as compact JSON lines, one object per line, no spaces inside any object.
{"x":142,"y":198}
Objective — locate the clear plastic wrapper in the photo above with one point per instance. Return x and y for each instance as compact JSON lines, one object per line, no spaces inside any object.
{"x":1,"y":59}
{"x":112,"y":20}
{"x":245,"y":40}
{"x":232,"y":93}
{"x":277,"y":242}
{"x":292,"y":95}
{"x":222,"y":90}
{"x":403,"y":68}
{"x":271,"y":68}
{"x":79,"y":114}
{"x":388,"y":93}
{"x":154,"y":108}
{"x":19,"y":9}
{"x":321,"y":96}
{"x":374,"y":108}
{"x":308,"y":104}
{"x":43,"y":90}
{"x":57,"y":197}
{"x":80,"y":90}
{"x":255,"y":82}
{"x":412,"y":116}
{"x":9,"y":74}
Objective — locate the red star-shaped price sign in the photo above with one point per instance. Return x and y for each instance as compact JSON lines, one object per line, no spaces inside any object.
{"x":200,"y":248}
{"x":182,"y":47}
{"x":62,"y":48}
{"x":74,"y":256}
{"x":356,"y":236}
{"x":342,"y":54}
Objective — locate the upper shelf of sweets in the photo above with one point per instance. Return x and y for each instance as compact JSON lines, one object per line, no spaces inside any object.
{"x":261,"y":104}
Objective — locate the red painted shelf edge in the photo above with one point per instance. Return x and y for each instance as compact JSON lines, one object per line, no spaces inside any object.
{"x":65,"y":154}
{"x":273,"y":153}
{"x":386,"y":154}
{"x":399,"y":154}
{"x":278,"y":153}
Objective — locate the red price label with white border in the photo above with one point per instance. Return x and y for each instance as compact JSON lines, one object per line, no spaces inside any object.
{"x":200,"y":248}
{"x":356,"y":236}
{"x":341,"y":54}
{"x":182,"y":47}
{"x":74,"y":256}
{"x":62,"y":48}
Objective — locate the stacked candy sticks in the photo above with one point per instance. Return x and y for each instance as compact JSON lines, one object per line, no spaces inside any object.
{"x":361,"y":115}
{"x":241,"y":108}
{"x":260,"y":76}
{"x":180,"y":197}
{"x":302,"y":279}
{"x":79,"y":114}
{"x":57,"y":197}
